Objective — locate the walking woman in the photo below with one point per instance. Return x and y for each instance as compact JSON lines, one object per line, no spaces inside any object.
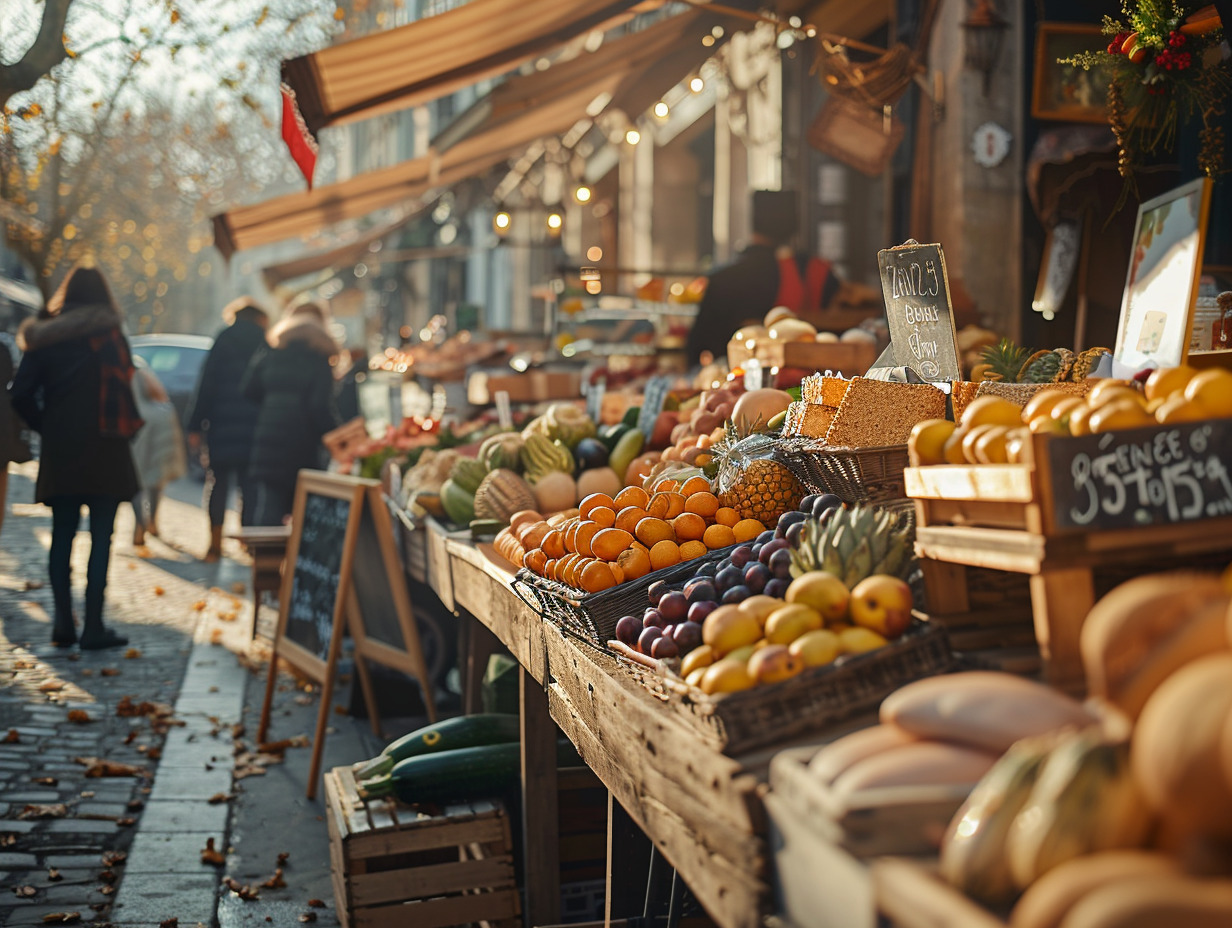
{"x":74,"y":387}
{"x":293,"y":384}
{"x":158,"y":450}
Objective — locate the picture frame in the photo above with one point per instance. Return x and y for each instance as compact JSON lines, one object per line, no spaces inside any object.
{"x":1064,"y":92}
{"x":1161,"y":285}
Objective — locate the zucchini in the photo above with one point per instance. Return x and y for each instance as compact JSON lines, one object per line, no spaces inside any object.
{"x":461,"y":775}
{"x":486,"y":527}
{"x":466,"y":731}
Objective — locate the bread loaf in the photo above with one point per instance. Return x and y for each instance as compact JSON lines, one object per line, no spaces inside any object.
{"x":1162,"y":901}
{"x":838,"y":756}
{"x":920,"y":763}
{"x":1050,"y":898}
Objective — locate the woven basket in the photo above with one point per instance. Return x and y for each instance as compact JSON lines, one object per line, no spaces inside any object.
{"x":593,"y":616}
{"x":816,"y":699}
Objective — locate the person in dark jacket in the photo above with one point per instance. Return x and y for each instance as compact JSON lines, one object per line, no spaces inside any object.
{"x":292,"y":381}
{"x":766,"y":274}
{"x":12,"y":448}
{"x":73,"y":386}
{"x":222,"y":420}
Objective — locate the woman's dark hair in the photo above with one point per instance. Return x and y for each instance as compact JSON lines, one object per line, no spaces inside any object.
{"x":244,"y":307}
{"x":82,"y":286}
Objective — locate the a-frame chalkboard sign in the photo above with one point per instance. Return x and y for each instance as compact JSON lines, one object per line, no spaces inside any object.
{"x":342,"y":572}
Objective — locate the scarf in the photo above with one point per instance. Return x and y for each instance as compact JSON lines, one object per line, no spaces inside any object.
{"x":117,"y":407}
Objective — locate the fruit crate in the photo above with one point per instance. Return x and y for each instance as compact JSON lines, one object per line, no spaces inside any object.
{"x":593,"y":616}
{"x":812,"y":701}
{"x":1077,"y":504}
{"x":392,"y":865}
{"x":910,"y":894}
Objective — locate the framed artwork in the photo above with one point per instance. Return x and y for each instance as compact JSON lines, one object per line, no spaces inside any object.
{"x":1066,"y":92}
{"x":1161,"y":288}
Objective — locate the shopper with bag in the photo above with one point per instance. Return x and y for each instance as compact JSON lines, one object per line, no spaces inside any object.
{"x":74,"y":388}
{"x":158,"y":450}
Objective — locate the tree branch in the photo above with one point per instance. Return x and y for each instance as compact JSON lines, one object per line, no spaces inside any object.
{"x":45,"y":53}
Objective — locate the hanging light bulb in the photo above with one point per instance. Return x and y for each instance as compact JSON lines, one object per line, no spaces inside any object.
{"x":501,"y":222}
{"x":633,"y":136}
{"x":555,"y":221}
{"x":697,"y":85}
{"x":582,"y":194}
{"x":661,"y":110}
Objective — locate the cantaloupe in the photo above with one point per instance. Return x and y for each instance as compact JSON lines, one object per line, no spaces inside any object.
{"x":1176,"y":754}
{"x":598,"y":480}
{"x":757,"y":407}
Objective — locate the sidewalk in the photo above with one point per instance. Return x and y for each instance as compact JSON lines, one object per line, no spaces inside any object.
{"x":190,"y":649}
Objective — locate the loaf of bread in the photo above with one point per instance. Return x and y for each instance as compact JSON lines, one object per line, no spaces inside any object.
{"x":875,"y":413}
{"x":918,"y":763}
{"x":835,"y":758}
{"x":1049,"y":899}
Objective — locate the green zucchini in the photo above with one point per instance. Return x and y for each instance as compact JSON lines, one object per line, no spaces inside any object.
{"x":465,"y":731}
{"x":461,"y":775}
{"x":486,"y":527}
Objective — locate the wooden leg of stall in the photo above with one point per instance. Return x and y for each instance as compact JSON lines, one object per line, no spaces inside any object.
{"x":1060,"y":602}
{"x":628,"y":865}
{"x":540,"y":825}
{"x":476,"y":645}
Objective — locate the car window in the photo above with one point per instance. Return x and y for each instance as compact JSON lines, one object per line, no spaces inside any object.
{"x":170,"y":359}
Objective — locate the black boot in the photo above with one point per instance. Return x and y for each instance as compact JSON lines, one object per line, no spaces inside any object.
{"x":95,"y":636}
{"x":64,"y":631}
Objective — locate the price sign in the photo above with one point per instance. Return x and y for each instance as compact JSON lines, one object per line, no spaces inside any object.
{"x":917,"y":301}
{"x":504,"y":412}
{"x":652,"y":404}
{"x":594,"y":400}
{"x":1150,"y":476}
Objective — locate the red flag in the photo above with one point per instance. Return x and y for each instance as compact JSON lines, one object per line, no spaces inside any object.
{"x":300,"y":143}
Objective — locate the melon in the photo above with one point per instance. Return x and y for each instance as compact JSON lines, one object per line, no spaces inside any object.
{"x":502,"y":494}
{"x":555,"y":491}
{"x":757,"y":407}
{"x":598,"y":480}
{"x":778,"y":314}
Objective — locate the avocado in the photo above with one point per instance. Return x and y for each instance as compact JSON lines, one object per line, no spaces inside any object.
{"x":610,"y":434}
{"x":630,"y":417}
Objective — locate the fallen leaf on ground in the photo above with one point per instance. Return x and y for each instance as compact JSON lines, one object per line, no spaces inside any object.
{"x":308,"y":916}
{"x":97,"y":767}
{"x":135,"y":805}
{"x":316,"y":903}
{"x":38,"y":811}
{"x":108,"y":876}
{"x":24,"y":892}
{"x":159,"y":591}
{"x":169,"y":923}
{"x":61,"y":918}
{"x":219,"y":798}
{"x":131,"y":736}
{"x":44,"y":781}
{"x":131,"y":566}
{"x":126,"y":708}
{"x":283,"y":857}
{"x":280,"y":747}
{"x":237,"y":730}
{"x":132,"y":653}
{"x":109,"y":672}
{"x":8,"y":840}
{"x":199,"y":605}
{"x":238,"y":588}
{"x":247,"y":893}
{"x":112,"y":858}
{"x":228,"y":616}
{"x":276,"y":881}
{"x":51,"y":686}
{"x":87,"y":672}
{"x":216,"y":636}
{"x":13,"y":737}
{"x":79,"y":716}
{"x":54,"y":875}
{"x":126,"y":822}
{"x":106,"y":890}
{"x":209,"y":855}
{"x":86,"y":794}
{"x":34,"y":584}
{"x":340,"y":710}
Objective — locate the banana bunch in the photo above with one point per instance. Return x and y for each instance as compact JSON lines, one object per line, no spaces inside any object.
{"x":853,"y":544}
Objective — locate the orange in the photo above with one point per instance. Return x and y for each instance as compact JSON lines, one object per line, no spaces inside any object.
{"x":631,"y":496}
{"x":664,"y":554}
{"x":650,"y":531}
{"x":675,"y":506}
{"x":554,"y":544}
{"x":604,"y":515}
{"x":703,"y":459}
{"x":1165,"y":381}
{"x":747,"y":529}
{"x":534,"y":560}
{"x":609,"y":542}
{"x":597,"y":576}
{"x":628,"y":518}
{"x":703,"y":502}
{"x":549,"y":570}
{"x":571,"y":536}
{"x":594,"y":501}
{"x":658,"y":506}
{"x":725,"y":515}
{"x":1212,"y":390}
{"x":586,"y":532}
{"x":618,"y":572}
{"x":1126,"y":413}
{"x":689,"y":526}
{"x":698,"y":484}
{"x":719,"y":536}
{"x":666,"y":486}
{"x":692,"y":549}
{"x":570,"y":566}
{"x":634,"y":561}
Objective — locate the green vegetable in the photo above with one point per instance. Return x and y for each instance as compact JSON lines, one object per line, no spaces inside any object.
{"x":460,"y":775}
{"x":459,"y":505}
{"x":629,"y":447}
{"x":468,"y":473}
{"x":482,"y":527}
{"x":466,"y":731}
{"x":630,"y":417}
{"x":610,"y":434}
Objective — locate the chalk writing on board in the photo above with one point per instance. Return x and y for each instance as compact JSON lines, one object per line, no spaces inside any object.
{"x":1144,"y":476}
{"x":917,"y":299}
{"x":318,"y":564}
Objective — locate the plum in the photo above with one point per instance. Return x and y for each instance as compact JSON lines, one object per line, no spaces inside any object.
{"x":786,"y":521}
{"x":727,"y":578}
{"x":700,"y":590}
{"x":673,"y":606}
{"x":776,"y":588}
{"x":742,"y":556}
{"x":806,"y":504}
{"x":699,"y":611}
{"x":707,"y":570}
{"x":780,"y":564}
{"x":737,"y":594}
{"x":655,"y":618}
{"x":769,"y":548}
{"x":647,"y":638}
{"x":664,"y":647}
{"x":687,"y":635}
{"x":627,"y":629}
{"x":767,"y":535}
{"x":824,"y":503}
{"x":794,"y":531}
{"x":756,"y":576}
{"x":656,"y":590}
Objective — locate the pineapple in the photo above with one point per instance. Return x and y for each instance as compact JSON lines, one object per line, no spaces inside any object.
{"x":1004,"y":360}
{"x":1087,"y":362}
{"x":752,"y":482}
{"x":855,"y":543}
{"x":1043,"y":367}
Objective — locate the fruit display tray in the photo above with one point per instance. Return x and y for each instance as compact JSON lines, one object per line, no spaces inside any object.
{"x":814,"y":700}
{"x":593,"y":616}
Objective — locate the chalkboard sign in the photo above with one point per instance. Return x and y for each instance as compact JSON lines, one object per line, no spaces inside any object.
{"x":653,"y":398}
{"x":917,"y":300}
{"x":1150,"y":476}
{"x":312,"y":607}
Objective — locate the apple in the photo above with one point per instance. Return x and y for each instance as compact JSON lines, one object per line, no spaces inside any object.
{"x":774,"y":663}
{"x":882,"y":604}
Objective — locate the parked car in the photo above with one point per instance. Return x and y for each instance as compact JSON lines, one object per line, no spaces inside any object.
{"x":176,"y":360}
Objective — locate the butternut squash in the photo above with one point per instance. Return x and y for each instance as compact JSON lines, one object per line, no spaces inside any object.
{"x":1176,"y":752}
{"x":1050,"y":898}
{"x":1162,"y":901}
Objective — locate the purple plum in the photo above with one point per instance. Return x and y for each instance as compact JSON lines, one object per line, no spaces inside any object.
{"x":776,"y":588}
{"x":742,"y":556}
{"x":656,"y":591}
{"x":727,"y":578}
{"x":664,"y":647}
{"x":700,"y":591}
{"x":687,"y":635}
{"x":768,"y":549}
{"x":627,"y":630}
{"x":756,"y":576}
{"x":654,"y":618}
{"x":737,"y":594}
{"x":699,"y":611}
{"x":780,"y":564}
{"x":647,"y":639}
{"x":674,"y":606}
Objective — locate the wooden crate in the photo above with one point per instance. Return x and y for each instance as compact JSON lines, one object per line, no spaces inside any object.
{"x":852,"y":358}
{"x":440,"y":575}
{"x":910,"y":894}
{"x":392,"y":866}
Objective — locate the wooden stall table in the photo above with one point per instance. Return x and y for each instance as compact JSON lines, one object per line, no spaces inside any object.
{"x":267,"y":545}
{"x":698,"y":806}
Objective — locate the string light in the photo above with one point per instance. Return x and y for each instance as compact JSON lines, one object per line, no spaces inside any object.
{"x":582,"y":194}
{"x":633,"y":136}
{"x":661,"y":110}
{"x":697,"y":85}
{"x":501,"y":222}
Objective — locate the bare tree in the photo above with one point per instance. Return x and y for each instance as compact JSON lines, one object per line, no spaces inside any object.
{"x":44,"y":53}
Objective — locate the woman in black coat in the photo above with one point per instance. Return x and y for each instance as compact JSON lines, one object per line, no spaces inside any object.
{"x":293,"y":383}
{"x":224,"y":420}
{"x":73,"y":386}
{"x":11,"y":446}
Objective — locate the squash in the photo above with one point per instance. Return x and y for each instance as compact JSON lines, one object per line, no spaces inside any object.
{"x":458,"y":504}
{"x":598,"y":480}
{"x":1176,"y":748}
{"x":555,"y":491}
{"x":757,"y":407}
{"x":468,"y":473}
{"x":502,"y":494}
{"x":839,"y":756}
{"x":540,"y":455}
{"x":501,"y":451}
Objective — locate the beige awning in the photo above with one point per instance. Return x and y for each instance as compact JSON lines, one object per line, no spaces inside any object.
{"x":515,"y":114}
{"x":437,"y":55}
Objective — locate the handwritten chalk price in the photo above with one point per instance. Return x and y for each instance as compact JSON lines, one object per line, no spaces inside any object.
{"x":1143,"y":477}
